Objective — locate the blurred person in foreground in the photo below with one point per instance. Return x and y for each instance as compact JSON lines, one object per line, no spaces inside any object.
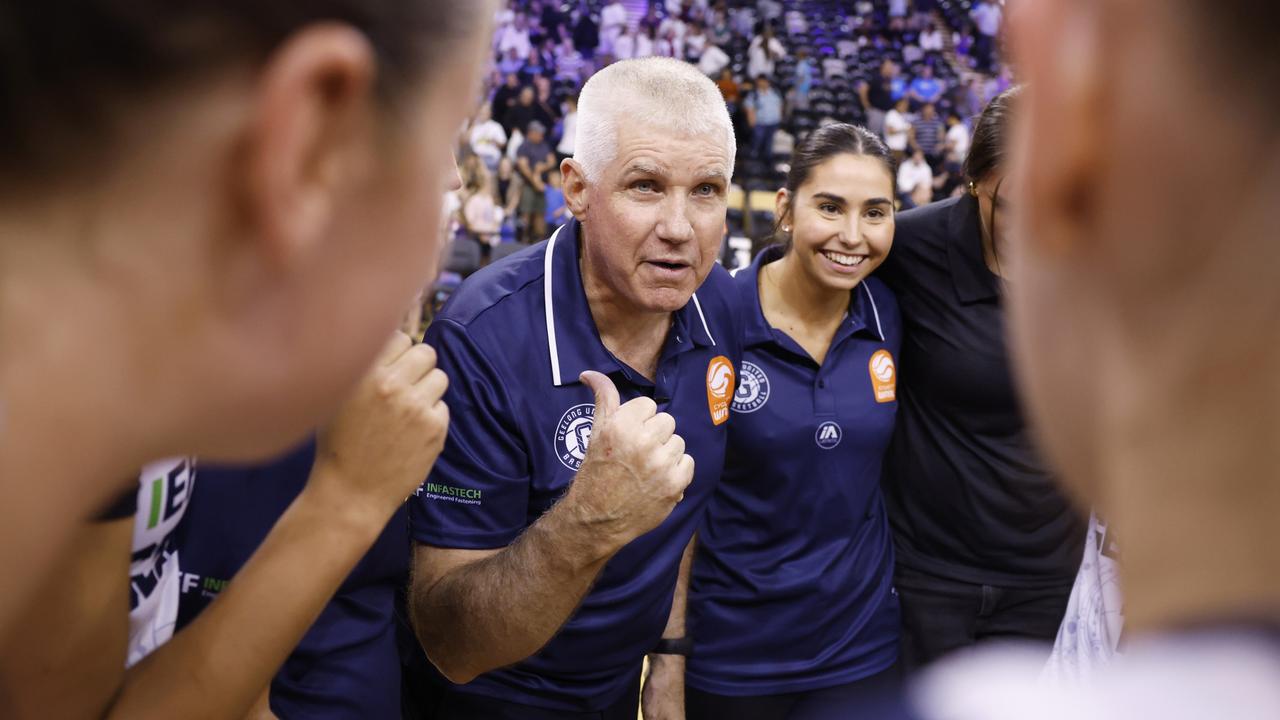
{"x":186,"y":196}
{"x":1145,"y":318}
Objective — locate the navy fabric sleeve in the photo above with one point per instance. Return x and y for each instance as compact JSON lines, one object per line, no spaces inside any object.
{"x":477,"y":495}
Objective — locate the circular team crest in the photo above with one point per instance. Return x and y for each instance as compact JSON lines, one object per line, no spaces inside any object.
{"x":828,"y":435}
{"x":573,"y":434}
{"x":753,"y":389}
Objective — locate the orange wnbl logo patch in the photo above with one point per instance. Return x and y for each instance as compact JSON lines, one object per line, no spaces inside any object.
{"x":884,"y":376}
{"x":719,"y":388}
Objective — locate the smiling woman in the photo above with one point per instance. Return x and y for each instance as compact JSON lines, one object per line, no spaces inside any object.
{"x":813,"y":415}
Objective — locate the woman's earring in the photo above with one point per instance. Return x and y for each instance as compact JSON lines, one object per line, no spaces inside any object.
{"x":973,"y":189}
{"x":786,"y":228}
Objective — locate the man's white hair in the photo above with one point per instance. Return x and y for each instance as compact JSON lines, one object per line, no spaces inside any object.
{"x":659,"y":92}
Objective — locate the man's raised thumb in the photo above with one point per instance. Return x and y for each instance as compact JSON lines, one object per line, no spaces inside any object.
{"x":605,"y":391}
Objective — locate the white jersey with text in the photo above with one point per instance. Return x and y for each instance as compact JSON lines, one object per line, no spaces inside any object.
{"x":163,"y":493}
{"x":1091,"y":627}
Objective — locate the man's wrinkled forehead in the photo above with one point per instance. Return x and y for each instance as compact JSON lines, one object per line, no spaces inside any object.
{"x":667,"y":152}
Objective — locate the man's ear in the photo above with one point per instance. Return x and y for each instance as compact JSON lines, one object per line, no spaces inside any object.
{"x":1059,"y":138}
{"x":307,"y":135}
{"x":575,"y":187}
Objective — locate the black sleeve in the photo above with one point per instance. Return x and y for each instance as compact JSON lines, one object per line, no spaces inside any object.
{"x":123,"y":506}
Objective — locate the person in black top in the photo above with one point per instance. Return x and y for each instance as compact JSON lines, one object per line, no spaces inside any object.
{"x":986,"y":543}
{"x":876,"y":96}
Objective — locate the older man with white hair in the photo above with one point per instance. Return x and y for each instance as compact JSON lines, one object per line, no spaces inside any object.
{"x":546,"y":569}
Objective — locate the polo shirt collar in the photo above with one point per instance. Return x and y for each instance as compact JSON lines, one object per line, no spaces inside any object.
{"x":973,"y":280}
{"x":573,"y":341}
{"x":863,"y":315}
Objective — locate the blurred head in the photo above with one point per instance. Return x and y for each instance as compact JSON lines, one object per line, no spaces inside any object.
{"x":926,"y":71}
{"x":649,"y":180}
{"x":836,"y":211}
{"x":526,"y":95}
{"x":762,"y":83}
{"x":226,"y":164}
{"x":902,"y":105}
{"x":1151,"y":254}
{"x":536,"y":132}
{"x":512,"y":80}
{"x":928,"y":112}
{"x":917,"y":156}
{"x":554,"y":178}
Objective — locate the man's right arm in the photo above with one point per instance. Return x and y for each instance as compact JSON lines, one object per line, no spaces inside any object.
{"x":479,"y":610}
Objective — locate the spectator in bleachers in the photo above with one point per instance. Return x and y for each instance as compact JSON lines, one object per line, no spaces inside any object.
{"x":931,"y":40}
{"x":613,"y":21}
{"x":967,"y":99}
{"x":533,"y":160}
{"x":986,"y":16}
{"x":515,"y":37}
{"x":506,"y":188}
{"x":696,"y":44}
{"x":630,"y":44}
{"x":511,"y":62}
{"x":764,"y":115}
{"x":897,"y":128}
{"x":667,"y":43}
{"x":568,"y":62}
{"x":928,"y":134}
{"x":556,"y":213}
{"x":764,"y":51}
{"x":481,"y":216}
{"x":915,"y":181}
{"x":586,"y":33}
{"x":720,"y":29}
{"x":504,"y":98}
{"x":926,"y":88}
{"x":876,"y":97}
{"x":569,"y":128}
{"x":536,"y":64}
{"x":802,"y":82}
{"x":713,"y":61}
{"x":487,"y":138}
{"x":957,"y":140}
{"x":730,"y":89}
{"x":524,"y":112}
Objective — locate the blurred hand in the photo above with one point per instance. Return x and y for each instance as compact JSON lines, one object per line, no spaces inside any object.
{"x":386,"y":436}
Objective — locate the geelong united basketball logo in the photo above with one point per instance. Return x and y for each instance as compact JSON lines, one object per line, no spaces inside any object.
{"x":573,"y":434}
{"x":753,"y":389}
{"x":884,"y":376}
{"x":719,"y":388}
{"x":828,"y":435}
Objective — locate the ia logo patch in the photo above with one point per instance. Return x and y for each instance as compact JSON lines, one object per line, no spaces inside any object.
{"x":753,"y":389}
{"x":828,"y":435}
{"x":573,"y":435}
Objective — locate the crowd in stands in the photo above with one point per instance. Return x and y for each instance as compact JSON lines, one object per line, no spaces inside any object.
{"x":914,"y":71}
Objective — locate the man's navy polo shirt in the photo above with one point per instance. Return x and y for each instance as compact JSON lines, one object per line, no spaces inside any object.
{"x":969,"y":496}
{"x":792,"y":587}
{"x":513,"y":340}
{"x":348,"y":663}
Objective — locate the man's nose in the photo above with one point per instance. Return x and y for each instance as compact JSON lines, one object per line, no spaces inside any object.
{"x":674,"y":225}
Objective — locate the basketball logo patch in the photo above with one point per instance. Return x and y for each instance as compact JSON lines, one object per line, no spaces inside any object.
{"x":719,"y":388}
{"x":573,"y":435}
{"x":884,"y":376}
{"x":753,"y":389}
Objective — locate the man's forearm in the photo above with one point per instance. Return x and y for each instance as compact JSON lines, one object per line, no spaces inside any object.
{"x":503,"y":608}
{"x":680,"y":599}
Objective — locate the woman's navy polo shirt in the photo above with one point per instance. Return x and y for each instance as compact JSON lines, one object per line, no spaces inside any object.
{"x":513,"y":340}
{"x":792,"y":585}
